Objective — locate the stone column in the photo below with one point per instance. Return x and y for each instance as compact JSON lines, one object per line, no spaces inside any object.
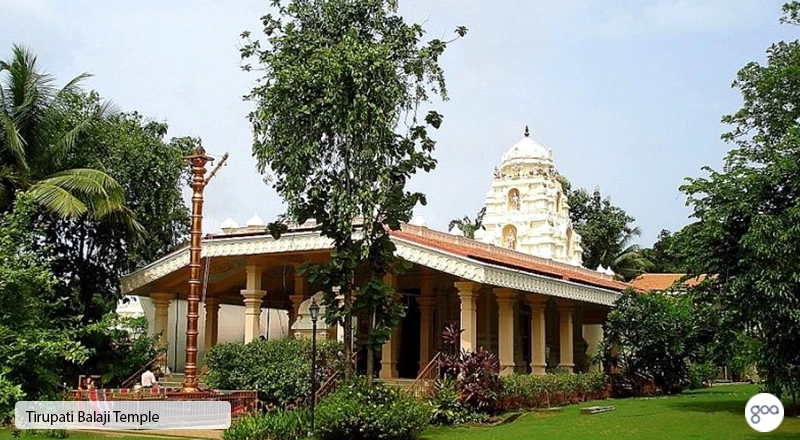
{"x":426,"y":306}
{"x":593,"y":333}
{"x":538,"y":341}
{"x":297,"y":299}
{"x":566,"y":312}
{"x":391,"y":347}
{"x":506,"y":299}
{"x":468,"y":293}
{"x":161,"y":302}
{"x":253,"y":296}
{"x":212,"y":323}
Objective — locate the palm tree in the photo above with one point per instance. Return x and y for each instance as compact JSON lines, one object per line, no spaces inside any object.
{"x":35,"y":139}
{"x":625,"y":259}
{"x":467,"y":226}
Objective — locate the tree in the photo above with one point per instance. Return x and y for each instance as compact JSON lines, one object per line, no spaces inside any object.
{"x":336,"y":125}
{"x":746,"y":232}
{"x":667,"y":254}
{"x":34,"y":140}
{"x":606,"y":231}
{"x":467,"y":226}
{"x":657,"y":335}
{"x":36,"y":341}
{"x":91,"y":254}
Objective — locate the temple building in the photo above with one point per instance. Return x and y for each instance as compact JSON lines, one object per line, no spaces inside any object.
{"x":517,"y":289}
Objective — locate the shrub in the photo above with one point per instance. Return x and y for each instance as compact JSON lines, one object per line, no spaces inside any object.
{"x":701,"y":374}
{"x":357,"y":412}
{"x":476,"y":373}
{"x":10,"y":394}
{"x":529,"y":391}
{"x":279,"y":369}
{"x":446,"y":407}
{"x":272,"y":425}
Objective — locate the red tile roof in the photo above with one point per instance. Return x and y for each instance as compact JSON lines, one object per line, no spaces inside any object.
{"x":665,"y":281}
{"x":479,"y":251}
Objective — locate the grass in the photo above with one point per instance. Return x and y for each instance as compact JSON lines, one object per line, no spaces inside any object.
{"x":715,"y":413}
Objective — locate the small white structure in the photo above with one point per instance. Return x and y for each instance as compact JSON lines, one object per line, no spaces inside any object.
{"x":526,"y":209}
{"x":303,"y":327}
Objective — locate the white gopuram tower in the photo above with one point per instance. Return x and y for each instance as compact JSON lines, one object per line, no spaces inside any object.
{"x":526,"y":209}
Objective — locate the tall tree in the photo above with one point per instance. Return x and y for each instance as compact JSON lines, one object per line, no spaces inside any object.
{"x":667,"y":254}
{"x":746,"y":234}
{"x":336,"y":125}
{"x":607,"y":232}
{"x":90,"y":254}
{"x":34,"y":140}
{"x":468,"y":226}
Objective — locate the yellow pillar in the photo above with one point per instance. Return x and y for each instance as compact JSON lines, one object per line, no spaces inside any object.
{"x":390,"y":348}
{"x":565,"y":315}
{"x":468,"y":293}
{"x":297,"y":299}
{"x":253,"y":295}
{"x":427,"y":303}
{"x":538,"y":341}
{"x":212,"y":306}
{"x":593,"y":333}
{"x":161,"y":303}
{"x":506,"y":299}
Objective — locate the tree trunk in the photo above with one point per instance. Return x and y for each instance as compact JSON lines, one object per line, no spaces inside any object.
{"x":348,"y":332}
{"x":370,"y":364}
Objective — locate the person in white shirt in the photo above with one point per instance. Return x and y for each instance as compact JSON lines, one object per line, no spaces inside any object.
{"x":149,"y":379}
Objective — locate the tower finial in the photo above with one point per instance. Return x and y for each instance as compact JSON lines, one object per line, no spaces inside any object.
{"x":527,"y":133}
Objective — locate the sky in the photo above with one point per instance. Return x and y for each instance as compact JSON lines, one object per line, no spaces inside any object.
{"x":628,"y":93}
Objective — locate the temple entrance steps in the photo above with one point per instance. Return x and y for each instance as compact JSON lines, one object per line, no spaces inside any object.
{"x":419,"y":387}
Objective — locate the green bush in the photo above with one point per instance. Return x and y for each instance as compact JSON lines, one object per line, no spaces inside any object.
{"x":701,"y":374}
{"x":10,"y":394}
{"x":279,"y":369}
{"x":272,"y":425}
{"x":447,"y":408}
{"x":528,"y":391}
{"x":355,"y":412}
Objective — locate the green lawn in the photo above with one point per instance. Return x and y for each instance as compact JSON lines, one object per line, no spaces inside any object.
{"x":716,"y":413}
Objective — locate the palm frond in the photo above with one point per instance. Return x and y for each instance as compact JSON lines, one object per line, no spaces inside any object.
{"x":57,"y":200}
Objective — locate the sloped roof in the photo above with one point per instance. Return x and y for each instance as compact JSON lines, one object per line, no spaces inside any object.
{"x":488,"y":253}
{"x":665,"y":281}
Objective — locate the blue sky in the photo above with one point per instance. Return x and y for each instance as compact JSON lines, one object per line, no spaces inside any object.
{"x":627,"y":93}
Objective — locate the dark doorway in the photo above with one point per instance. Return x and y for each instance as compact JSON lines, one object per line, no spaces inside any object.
{"x":525,"y":316}
{"x":408,"y":359}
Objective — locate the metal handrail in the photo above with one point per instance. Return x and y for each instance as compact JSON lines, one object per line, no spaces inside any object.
{"x":424,"y":374}
{"x":129,"y":381}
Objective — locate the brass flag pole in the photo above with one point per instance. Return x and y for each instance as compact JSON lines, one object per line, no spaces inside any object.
{"x":198,"y":160}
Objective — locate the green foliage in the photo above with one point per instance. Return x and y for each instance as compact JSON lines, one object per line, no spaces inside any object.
{"x":36,"y":341}
{"x":606,"y":233}
{"x":46,"y":433}
{"x":340,"y":78}
{"x":279,"y":369}
{"x":524,"y":392}
{"x":667,"y":254}
{"x":93,"y":254}
{"x":10,"y":394}
{"x":34,"y":141}
{"x":446,"y":405}
{"x":271,"y":425}
{"x":468,"y":226}
{"x":746,"y":231}
{"x":656,"y":335}
{"x":121,"y":347}
{"x":475,"y":373}
{"x":357,"y":412}
{"x":701,"y":374}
